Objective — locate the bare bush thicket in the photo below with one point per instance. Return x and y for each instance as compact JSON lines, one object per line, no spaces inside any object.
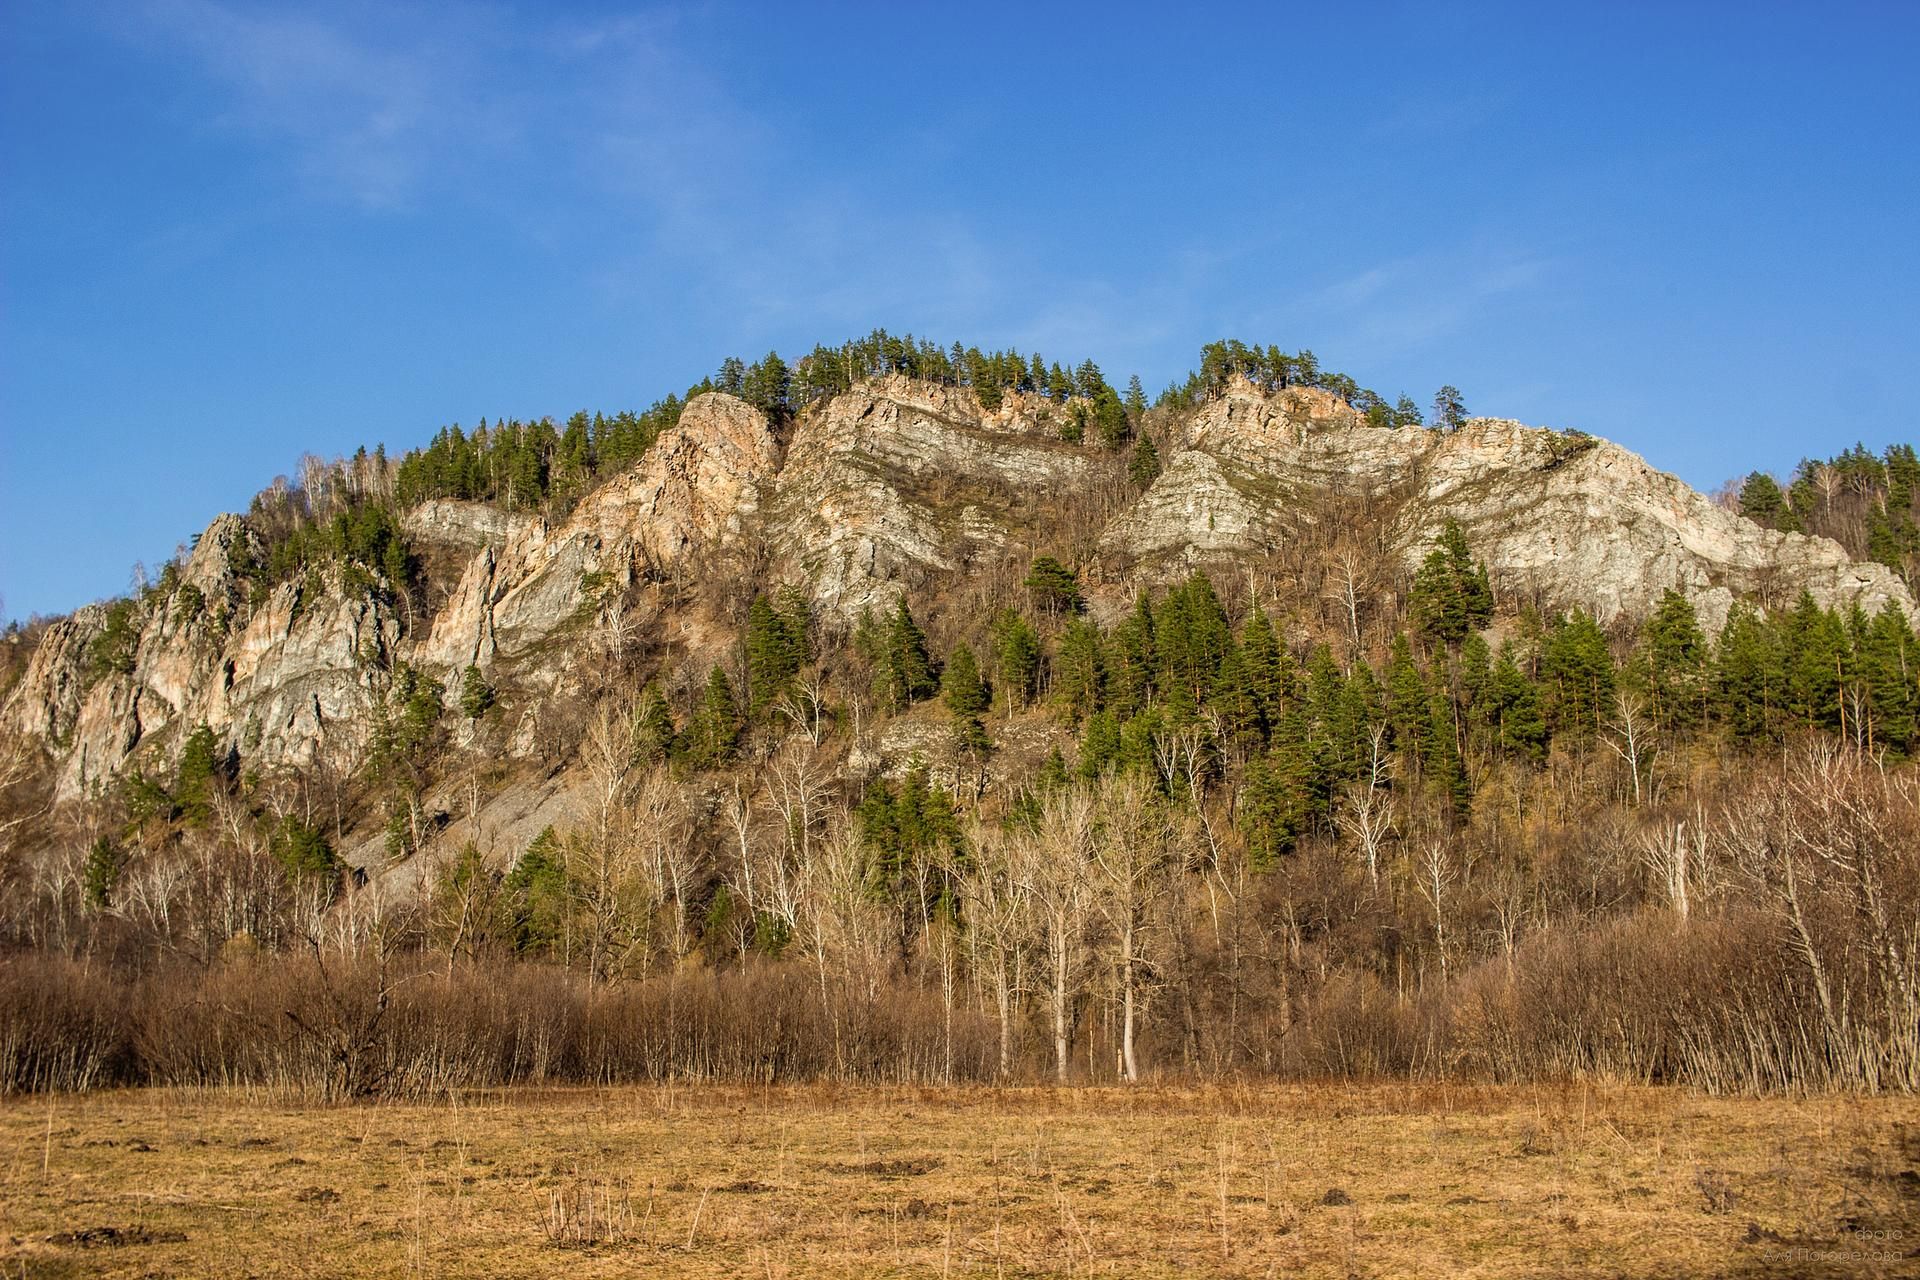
{"x":1764,"y":937}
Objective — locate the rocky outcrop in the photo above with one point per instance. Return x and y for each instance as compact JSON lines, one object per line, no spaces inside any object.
{"x":1557,"y":516}
{"x":896,"y":481}
{"x":888,"y":487}
{"x":698,"y":490}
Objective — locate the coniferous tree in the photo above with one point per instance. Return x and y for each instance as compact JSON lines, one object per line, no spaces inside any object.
{"x":1054,"y":587}
{"x":1270,"y":671}
{"x":1815,"y":657}
{"x":100,"y":876}
{"x":1133,"y":660}
{"x":713,"y":736}
{"x":476,"y":695}
{"x":1408,"y":697}
{"x":776,"y":648}
{"x":1016,"y":658}
{"x":1450,"y":595}
{"x":1885,"y":662}
{"x":1273,"y":811}
{"x":1079,"y":669}
{"x":1099,"y":745}
{"x":1473,"y":691}
{"x":1449,"y":410}
{"x":906,"y":673}
{"x":1192,"y":638}
{"x":1749,"y":677}
{"x":961,"y":687}
{"x":1762,"y":501}
{"x":198,"y":775}
{"x":1144,"y":468}
{"x":1517,"y":716}
{"x":654,"y":737}
{"x":1577,"y":670}
{"x":1671,"y":664}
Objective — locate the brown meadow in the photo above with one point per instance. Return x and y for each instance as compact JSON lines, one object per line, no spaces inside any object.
{"x":714,"y":1180}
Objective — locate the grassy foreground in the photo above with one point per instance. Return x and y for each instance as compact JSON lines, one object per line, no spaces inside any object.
{"x":724,"y":1181}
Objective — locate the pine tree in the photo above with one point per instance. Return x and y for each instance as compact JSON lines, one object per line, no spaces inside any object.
{"x":1749,"y":678}
{"x":1099,"y":745}
{"x":1449,"y":410}
{"x":1671,"y":663}
{"x":1886,"y":662}
{"x":1473,"y":690}
{"x":1270,"y":671}
{"x":1408,"y":697}
{"x":653,"y":735}
{"x":476,"y":695}
{"x":1191,"y":634}
{"x":198,"y":775}
{"x":776,"y":648}
{"x":1016,"y":658}
{"x":905,"y":674}
{"x":1577,"y":670}
{"x":1144,"y":468}
{"x":1521,"y":724}
{"x":1815,"y":655}
{"x":1762,"y":501}
{"x":961,"y":687}
{"x":1451,"y":595}
{"x":101,"y":875}
{"x":1132,"y":660}
{"x":1054,"y":587}
{"x":1273,"y":811}
{"x":1079,"y":671}
{"x":713,"y":737}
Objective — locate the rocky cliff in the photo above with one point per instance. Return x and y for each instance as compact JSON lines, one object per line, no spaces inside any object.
{"x":893,"y":486}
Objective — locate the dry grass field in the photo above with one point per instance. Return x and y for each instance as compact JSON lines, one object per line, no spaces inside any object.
{"x":1387,"y":1180}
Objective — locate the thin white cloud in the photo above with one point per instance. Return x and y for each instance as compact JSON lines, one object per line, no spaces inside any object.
{"x":363,"y":116}
{"x":1396,"y":307}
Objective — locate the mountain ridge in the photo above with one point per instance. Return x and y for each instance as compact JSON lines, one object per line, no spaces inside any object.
{"x":893,"y":485}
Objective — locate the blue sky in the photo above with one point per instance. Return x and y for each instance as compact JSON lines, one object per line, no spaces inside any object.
{"x":231,"y":233}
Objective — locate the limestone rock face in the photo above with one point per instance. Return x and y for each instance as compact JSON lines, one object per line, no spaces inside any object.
{"x":895,"y":485}
{"x":1561,"y":517}
{"x":898,"y":480}
{"x":698,"y":490}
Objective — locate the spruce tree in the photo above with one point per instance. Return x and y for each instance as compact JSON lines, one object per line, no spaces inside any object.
{"x":476,"y":695}
{"x":1132,"y":660}
{"x":961,"y":687}
{"x":1748,"y":676}
{"x":1577,"y":670}
{"x":1451,"y":595}
{"x":1054,"y":587}
{"x":906,"y":673}
{"x":713,"y":737}
{"x":1079,"y":670}
{"x":1144,"y":468}
{"x":1016,"y":658}
{"x":1671,"y":663}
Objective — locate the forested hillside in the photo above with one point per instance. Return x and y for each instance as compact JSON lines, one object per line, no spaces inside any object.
{"x":914,"y":712}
